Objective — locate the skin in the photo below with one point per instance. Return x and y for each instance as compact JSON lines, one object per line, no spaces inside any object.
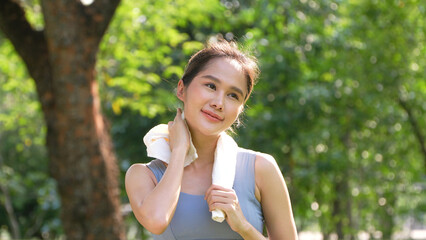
{"x":213,"y":101}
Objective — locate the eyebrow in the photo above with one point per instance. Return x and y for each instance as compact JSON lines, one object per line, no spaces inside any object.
{"x":215,"y":79}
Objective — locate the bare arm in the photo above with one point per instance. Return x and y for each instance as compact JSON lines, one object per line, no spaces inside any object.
{"x":275,"y":199}
{"x":154,"y":203}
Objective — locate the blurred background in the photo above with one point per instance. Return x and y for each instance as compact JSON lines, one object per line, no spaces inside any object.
{"x":340,"y":104}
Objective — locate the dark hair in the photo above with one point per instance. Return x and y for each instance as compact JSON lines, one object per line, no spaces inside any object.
{"x":223,"y":49}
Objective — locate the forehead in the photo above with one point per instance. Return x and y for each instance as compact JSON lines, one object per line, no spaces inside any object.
{"x":227,"y":70}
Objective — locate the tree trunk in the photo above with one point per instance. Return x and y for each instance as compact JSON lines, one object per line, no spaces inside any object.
{"x":416,"y":129}
{"x":338,"y":208}
{"x":342,"y":205}
{"x":387,"y":218}
{"x":61,"y":59}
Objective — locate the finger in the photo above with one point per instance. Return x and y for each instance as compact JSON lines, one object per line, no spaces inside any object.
{"x":224,"y":206}
{"x":217,"y":188}
{"x":178,"y":115}
{"x":211,"y":192}
{"x":221,"y":197}
{"x":208,"y":192}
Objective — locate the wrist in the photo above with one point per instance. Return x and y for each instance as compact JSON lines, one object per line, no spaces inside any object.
{"x":244,"y":229}
{"x":179,"y":152}
{"x":248,"y":232}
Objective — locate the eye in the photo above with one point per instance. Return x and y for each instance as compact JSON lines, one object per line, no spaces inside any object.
{"x":211,"y":86}
{"x":234,"y":95}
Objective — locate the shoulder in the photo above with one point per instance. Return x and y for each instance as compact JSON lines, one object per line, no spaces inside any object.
{"x":266,"y":164}
{"x":265,"y":160}
{"x":137,"y":168}
{"x":138,"y":172}
{"x":276,"y":205}
{"x":266,"y":172}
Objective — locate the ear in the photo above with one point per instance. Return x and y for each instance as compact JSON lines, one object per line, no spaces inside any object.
{"x":180,"y":90}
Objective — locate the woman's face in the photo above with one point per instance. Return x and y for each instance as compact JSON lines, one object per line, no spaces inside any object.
{"x":215,"y":97}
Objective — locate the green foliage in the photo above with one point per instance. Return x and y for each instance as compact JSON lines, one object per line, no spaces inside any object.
{"x":23,"y":158}
{"x":332,"y":74}
{"x":145,"y":49}
{"x":343,"y":101}
{"x":327,"y":105}
{"x":33,"y":13}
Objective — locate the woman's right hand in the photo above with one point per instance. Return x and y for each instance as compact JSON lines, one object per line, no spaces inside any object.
{"x":179,"y":136}
{"x":154,"y":203}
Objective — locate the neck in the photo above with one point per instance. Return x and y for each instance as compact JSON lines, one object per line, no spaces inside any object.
{"x":206,"y":146}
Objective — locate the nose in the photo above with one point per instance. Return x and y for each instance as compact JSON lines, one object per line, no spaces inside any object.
{"x":217,"y":102}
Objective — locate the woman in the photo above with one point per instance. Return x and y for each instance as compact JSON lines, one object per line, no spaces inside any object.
{"x":173,"y":201}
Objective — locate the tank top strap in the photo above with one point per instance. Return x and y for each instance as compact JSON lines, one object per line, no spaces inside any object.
{"x":245,"y":173}
{"x":158,"y":168}
{"x":245,"y":187}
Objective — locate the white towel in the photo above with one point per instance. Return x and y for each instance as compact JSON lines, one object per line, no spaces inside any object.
{"x":157,"y":145}
{"x":225,"y":159}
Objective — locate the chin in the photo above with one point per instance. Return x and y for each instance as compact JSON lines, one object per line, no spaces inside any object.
{"x":209,"y":130}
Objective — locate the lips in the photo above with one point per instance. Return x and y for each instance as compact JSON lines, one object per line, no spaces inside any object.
{"x":212,"y":115}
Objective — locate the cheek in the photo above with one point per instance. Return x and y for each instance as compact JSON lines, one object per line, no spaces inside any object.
{"x":238,"y":111}
{"x":188,"y":97}
{"x":194,"y":93}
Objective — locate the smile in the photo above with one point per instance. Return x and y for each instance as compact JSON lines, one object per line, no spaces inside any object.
{"x":212,"y":116}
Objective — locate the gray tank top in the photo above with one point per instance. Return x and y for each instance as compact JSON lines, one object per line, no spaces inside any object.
{"x":192,"y":219}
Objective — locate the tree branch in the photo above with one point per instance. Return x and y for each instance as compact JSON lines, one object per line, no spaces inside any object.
{"x":13,"y":22}
{"x":16,"y":233}
{"x":77,"y":22}
{"x":101,"y":13}
{"x":18,"y":30}
{"x":10,"y":212}
{"x":30,"y":44}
